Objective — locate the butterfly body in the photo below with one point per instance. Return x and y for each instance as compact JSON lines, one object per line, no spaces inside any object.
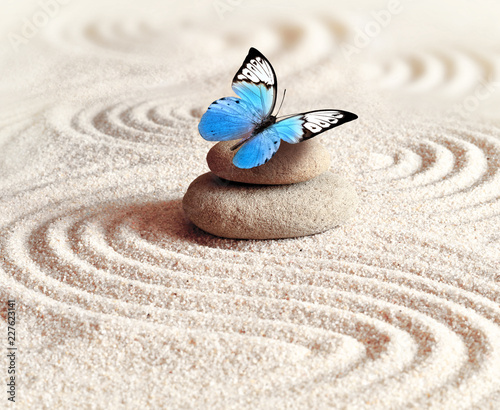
{"x":249,"y":118}
{"x":264,"y":124}
{"x":258,"y":129}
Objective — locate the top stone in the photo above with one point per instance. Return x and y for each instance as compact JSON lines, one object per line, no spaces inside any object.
{"x":291,"y":164}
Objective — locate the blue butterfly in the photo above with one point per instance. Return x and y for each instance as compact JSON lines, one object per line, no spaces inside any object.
{"x":249,"y":118}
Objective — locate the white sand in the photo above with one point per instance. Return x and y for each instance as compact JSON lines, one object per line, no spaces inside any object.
{"x":122,"y":303}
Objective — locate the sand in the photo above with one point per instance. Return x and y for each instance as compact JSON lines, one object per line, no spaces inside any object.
{"x":122,"y":303}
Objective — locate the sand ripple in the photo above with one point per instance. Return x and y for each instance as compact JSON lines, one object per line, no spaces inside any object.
{"x":120,"y":297}
{"x":451,"y":72}
{"x":448,"y":175}
{"x":353,"y":312}
{"x":141,"y":124}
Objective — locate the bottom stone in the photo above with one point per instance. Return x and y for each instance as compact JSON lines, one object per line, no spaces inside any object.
{"x":244,"y":211}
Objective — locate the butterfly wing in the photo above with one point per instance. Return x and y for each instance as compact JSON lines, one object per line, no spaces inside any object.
{"x":229,"y":118}
{"x":307,"y":125}
{"x":258,"y":150}
{"x":255,"y":82}
{"x":232,"y":118}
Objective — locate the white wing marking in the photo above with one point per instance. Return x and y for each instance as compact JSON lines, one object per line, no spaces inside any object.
{"x":317,"y":121}
{"x":257,"y":70}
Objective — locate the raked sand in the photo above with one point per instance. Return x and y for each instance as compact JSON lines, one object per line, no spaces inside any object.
{"x":122,"y":303}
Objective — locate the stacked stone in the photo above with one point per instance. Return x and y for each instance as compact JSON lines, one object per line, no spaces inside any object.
{"x":292,"y":195}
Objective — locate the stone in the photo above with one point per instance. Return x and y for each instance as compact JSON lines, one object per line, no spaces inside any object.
{"x":291,"y":164}
{"x":244,"y":211}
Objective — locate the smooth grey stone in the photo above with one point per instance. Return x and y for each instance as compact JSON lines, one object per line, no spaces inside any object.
{"x":291,"y":164}
{"x":243,"y":211}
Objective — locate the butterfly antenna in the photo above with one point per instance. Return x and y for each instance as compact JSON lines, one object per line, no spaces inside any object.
{"x":283,"y":99}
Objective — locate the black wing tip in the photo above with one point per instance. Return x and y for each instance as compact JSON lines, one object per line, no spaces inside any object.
{"x":349,"y":116}
{"x":253,"y":52}
{"x":346,"y":115}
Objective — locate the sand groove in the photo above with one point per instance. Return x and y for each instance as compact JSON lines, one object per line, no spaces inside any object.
{"x":121,"y":297}
{"x":354,"y":317}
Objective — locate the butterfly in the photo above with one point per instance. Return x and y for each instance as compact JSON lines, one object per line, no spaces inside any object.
{"x":248,"y":118}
